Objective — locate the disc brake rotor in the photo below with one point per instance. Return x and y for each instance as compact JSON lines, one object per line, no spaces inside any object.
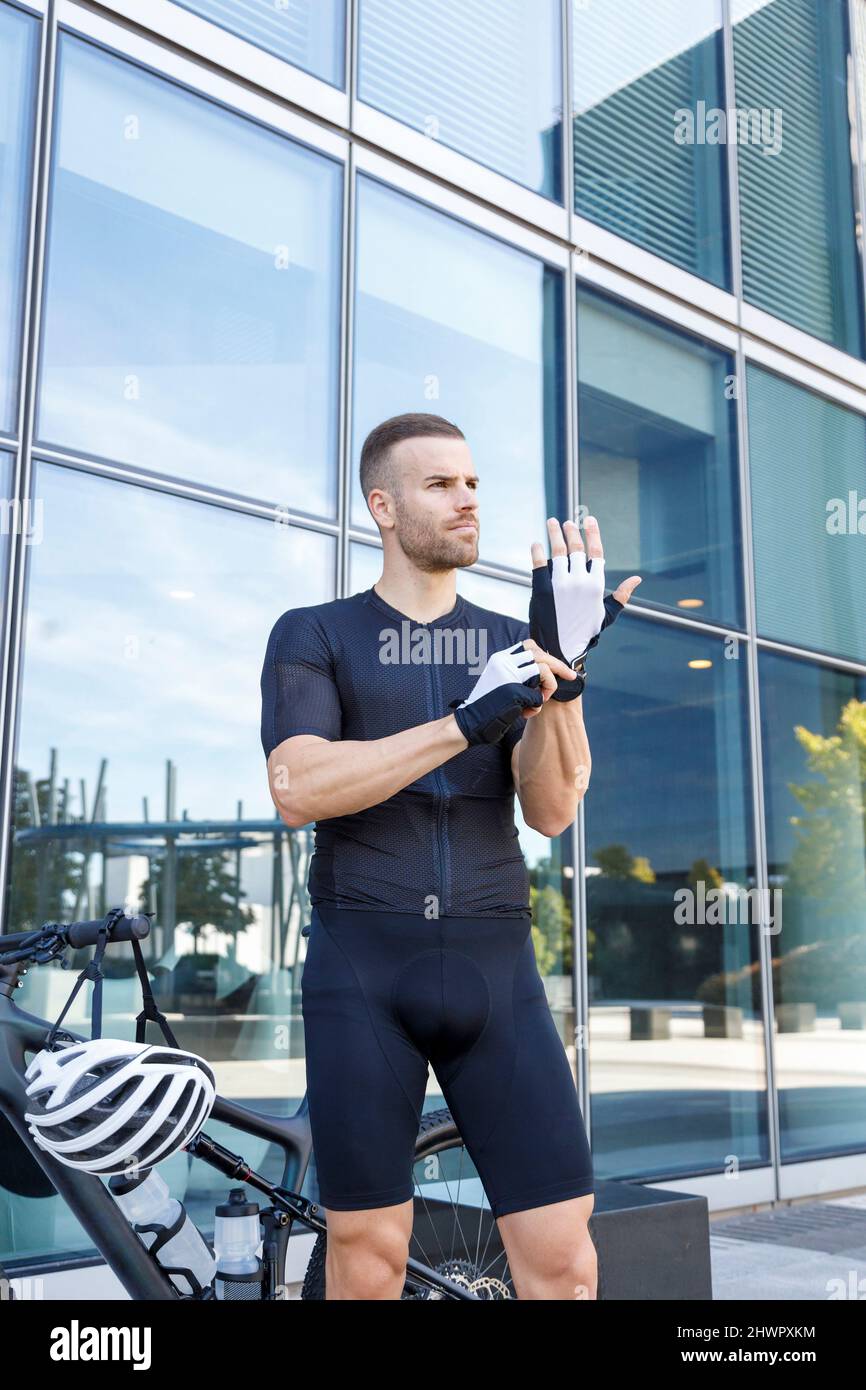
{"x":464,"y":1273}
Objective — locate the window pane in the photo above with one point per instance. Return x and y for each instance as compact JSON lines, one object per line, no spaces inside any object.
{"x":365,"y":570}
{"x":140,"y":779}
{"x":365,"y":567}
{"x":646,"y":81}
{"x":813,"y":725}
{"x":488,"y":592}
{"x":452,"y":322}
{"x":308,"y":33}
{"x":808,"y":470}
{"x":19,"y":36}
{"x":672,"y":939}
{"x":192,"y":312}
{"x":486,"y":84}
{"x":796,"y":178}
{"x":658,"y":459}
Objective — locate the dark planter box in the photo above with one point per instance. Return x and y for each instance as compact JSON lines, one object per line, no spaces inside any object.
{"x":651,"y":1243}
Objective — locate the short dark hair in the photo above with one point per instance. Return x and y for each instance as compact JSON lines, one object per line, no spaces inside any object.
{"x":376,"y":465}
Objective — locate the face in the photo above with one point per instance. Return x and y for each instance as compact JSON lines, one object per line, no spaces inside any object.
{"x":434,"y":516}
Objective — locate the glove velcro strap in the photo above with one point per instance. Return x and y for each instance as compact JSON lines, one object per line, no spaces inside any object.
{"x":570,"y":690}
{"x":492,"y":731}
{"x":487,"y":720}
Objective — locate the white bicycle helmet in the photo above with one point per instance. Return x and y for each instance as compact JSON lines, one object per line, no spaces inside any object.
{"x":109,"y":1105}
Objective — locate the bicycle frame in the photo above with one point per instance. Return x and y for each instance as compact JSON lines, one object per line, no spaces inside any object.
{"x":93,"y":1205}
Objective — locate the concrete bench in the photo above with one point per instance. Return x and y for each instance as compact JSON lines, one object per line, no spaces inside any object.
{"x":649,"y":1022}
{"x":723,"y":1021}
{"x":795,"y":1018}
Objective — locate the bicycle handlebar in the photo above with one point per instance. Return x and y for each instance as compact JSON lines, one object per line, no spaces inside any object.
{"x":74,"y":934}
{"x":85,"y":933}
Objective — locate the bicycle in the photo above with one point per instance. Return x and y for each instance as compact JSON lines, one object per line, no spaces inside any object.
{"x":469,"y":1264}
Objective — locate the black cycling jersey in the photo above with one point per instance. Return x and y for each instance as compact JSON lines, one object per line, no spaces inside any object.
{"x":357,"y":668}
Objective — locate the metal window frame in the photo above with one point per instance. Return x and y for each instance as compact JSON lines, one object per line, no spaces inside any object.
{"x":13,"y":617}
{"x":460,"y":206}
{"x":36,"y":8}
{"x":201,"y":78}
{"x":858,"y":80}
{"x":350,"y":202}
{"x":203,"y":38}
{"x":216,"y":65}
{"x":459,"y":170}
{"x":212,"y":49}
{"x":386,"y":132}
{"x":759,"y":824}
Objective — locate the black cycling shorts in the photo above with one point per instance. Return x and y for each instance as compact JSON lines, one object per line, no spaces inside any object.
{"x":384,"y":993}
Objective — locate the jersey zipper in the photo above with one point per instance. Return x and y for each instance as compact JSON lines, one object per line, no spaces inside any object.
{"x":442,"y":806}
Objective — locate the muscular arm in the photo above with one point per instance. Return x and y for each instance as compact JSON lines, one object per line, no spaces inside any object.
{"x":551,"y":766}
{"x":313,"y":774}
{"x":312,"y":778}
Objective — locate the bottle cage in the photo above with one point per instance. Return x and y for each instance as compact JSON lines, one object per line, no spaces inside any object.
{"x":163,"y":1235}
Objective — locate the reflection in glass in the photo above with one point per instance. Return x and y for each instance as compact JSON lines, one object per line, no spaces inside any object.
{"x":658,"y":459}
{"x":487,"y":592}
{"x":452,"y":322}
{"x":310,"y":34}
{"x":807,"y":458}
{"x":796,"y":176}
{"x":672,"y":939}
{"x":11,"y":517}
{"x":488,"y":84}
{"x":813,"y":723}
{"x":365,"y":567}
{"x":192,"y":309}
{"x":19,"y":35}
{"x":647,"y":166}
{"x":140,"y":779}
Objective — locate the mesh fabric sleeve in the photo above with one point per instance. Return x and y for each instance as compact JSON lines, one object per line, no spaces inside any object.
{"x":299,"y":690}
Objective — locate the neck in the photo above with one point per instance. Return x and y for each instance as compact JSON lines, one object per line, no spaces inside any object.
{"x":424,"y":597}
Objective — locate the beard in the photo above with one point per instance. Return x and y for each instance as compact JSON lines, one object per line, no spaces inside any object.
{"x":431,"y":549}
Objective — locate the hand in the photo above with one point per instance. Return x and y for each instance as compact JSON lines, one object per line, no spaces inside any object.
{"x":549,"y":667}
{"x":568,"y":609}
{"x":508,"y":685}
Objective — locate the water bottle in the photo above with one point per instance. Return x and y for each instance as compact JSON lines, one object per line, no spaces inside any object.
{"x":236,"y":1238}
{"x":164,"y":1227}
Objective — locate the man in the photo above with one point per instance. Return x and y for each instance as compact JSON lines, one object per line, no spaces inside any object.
{"x":402,"y":720}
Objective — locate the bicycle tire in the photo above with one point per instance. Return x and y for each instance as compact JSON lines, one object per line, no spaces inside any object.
{"x":437,"y":1131}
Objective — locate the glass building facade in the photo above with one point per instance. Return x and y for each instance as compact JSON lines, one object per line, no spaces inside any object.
{"x":236,"y":236}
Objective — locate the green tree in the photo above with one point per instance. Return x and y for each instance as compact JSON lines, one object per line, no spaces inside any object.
{"x":551,"y":931}
{"x":205,"y":895}
{"x":702,"y":871}
{"x":828,"y":862}
{"x":617,"y":861}
{"x":42,"y":870}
